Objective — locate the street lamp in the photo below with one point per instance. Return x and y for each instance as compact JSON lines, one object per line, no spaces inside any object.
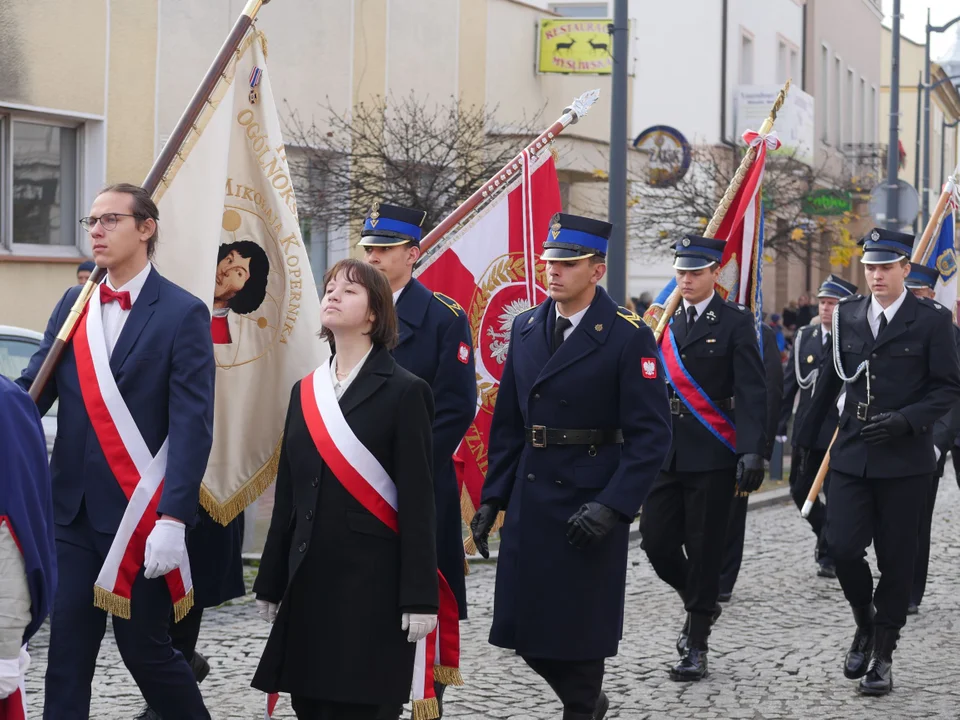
{"x":943,"y":146}
{"x":926,"y":112}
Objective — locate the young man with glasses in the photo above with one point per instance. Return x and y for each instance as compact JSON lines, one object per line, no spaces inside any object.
{"x":135,"y":428}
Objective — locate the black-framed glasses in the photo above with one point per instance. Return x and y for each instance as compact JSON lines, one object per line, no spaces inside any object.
{"x":108,"y":221}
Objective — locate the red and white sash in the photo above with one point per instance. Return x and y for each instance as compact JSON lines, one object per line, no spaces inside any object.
{"x":138,"y":472}
{"x":362,"y":475}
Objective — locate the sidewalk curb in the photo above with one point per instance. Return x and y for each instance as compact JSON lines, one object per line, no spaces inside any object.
{"x":758,"y":501}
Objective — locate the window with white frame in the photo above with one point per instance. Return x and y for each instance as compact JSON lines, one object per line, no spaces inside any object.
{"x":849,"y":109}
{"x":823,"y":93}
{"x":872,"y":122}
{"x":787,"y":61}
{"x":836,"y":95}
{"x":580,"y":10}
{"x":40,"y":180}
{"x":863,"y":109}
{"x":746,"y":57}
{"x":795,"y":64}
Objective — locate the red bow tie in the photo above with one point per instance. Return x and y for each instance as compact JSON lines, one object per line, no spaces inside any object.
{"x":107,"y":295}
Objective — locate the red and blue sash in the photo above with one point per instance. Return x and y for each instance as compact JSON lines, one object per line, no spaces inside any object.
{"x":693,"y":396}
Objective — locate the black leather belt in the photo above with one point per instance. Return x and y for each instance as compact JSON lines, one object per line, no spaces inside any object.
{"x":540,"y":436}
{"x":678,"y":407}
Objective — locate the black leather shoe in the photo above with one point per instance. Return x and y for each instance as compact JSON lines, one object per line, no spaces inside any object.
{"x":685,"y":631}
{"x":692,"y":666}
{"x":725,"y":596}
{"x":879,"y":678}
{"x":148,"y":714}
{"x":913,"y":609}
{"x":200,"y":667}
{"x":827,"y":569}
{"x":857,"y":658}
{"x":602,"y":706}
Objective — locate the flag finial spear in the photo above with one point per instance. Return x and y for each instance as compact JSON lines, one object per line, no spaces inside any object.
{"x":581,"y":105}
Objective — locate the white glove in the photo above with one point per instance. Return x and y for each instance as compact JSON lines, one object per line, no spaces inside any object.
{"x":782,"y":439}
{"x":9,"y":677}
{"x":267,"y":610}
{"x":166,"y":546}
{"x":936,"y":452}
{"x":419,"y":625}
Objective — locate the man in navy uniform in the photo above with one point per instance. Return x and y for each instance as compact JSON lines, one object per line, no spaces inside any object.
{"x":718,"y":399}
{"x":436,"y":345}
{"x":810,"y":346}
{"x":579,"y":431}
{"x":159,"y":351}
{"x":898,"y":357}
{"x":922,"y":282}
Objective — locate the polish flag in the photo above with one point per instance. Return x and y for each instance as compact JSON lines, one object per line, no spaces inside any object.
{"x":491,"y":266}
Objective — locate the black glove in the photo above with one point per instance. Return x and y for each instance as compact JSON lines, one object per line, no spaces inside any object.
{"x":883,"y":427}
{"x":591,"y":523}
{"x":480,"y":526}
{"x":749,"y":472}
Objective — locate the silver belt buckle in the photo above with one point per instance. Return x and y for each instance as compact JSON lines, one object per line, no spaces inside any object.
{"x":674,"y":405}
{"x":862,"y":409}
{"x":539,"y":439}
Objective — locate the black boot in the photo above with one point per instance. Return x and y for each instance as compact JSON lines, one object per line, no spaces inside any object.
{"x":603,"y":704}
{"x":574,"y":715}
{"x":693,"y":664}
{"x":879,"y":677}
{"x":857,"y":658}
{"x":438,"y":689}
{"x":685,"y":631}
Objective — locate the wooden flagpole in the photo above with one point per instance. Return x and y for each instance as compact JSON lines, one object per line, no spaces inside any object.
{"x":919,"y":255}
{"x":671,"y":304}
{"x":152,"y":182}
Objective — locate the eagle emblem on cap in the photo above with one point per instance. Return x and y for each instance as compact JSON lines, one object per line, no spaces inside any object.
{"x":875,"y":235}
{"x":555,"y":229}
{"x":685,"y":242}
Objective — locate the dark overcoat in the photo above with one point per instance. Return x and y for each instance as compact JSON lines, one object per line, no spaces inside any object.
{"x":435,"y":344}
{"x":341,"y":576}
{"x":553,"y":600}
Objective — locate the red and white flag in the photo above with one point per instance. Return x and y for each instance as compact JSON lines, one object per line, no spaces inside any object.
{"x":491,"y":266}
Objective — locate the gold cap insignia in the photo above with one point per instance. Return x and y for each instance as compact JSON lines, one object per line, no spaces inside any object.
{"x":555,"y":230}
{"x":374,"y":214}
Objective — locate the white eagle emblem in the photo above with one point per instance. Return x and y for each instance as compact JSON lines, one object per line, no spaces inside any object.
{"x":500,"y":341}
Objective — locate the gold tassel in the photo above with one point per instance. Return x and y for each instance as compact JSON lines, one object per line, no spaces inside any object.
{"x":467,"y":510}
{"x":225,"y":512}
{"x":498,"y":523}
{"x":182,"y":606}
{"x":466,"y":567}
{"x":742,"y":494}
{"x":447,"y":675}
{"x":426,"y":709}
{"x":111,"y":602}
{"x":469,"y":546}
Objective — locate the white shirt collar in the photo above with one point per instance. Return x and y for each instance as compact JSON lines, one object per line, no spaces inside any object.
{"x":876,"y":309}
{"x":574,"y":319}
{"x":396,"y":295}
{"x":700,"y":306}
{"x":134,"y":285}
{"x":340,"y":386}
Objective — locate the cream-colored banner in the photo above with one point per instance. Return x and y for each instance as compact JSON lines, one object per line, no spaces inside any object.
{"x":229,"y":233}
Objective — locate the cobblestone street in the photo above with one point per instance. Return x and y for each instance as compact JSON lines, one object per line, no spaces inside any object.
{"x":775,"y":653}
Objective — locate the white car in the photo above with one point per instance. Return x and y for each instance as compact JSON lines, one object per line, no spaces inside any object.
{"x":17,"y":346}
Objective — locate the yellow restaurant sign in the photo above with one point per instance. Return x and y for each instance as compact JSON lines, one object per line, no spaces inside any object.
{"x":574,"y":46}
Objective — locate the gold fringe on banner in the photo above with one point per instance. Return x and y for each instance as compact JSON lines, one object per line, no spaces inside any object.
{"x":447,"y":675}
{"x":426,"y":709}
{"x":182,"y":606}
{"x":466,"y":567}
{"x":498,"y":523}
{"x":224,"y":512}
{"x":467,"y":511}
{"x":111,"y":602}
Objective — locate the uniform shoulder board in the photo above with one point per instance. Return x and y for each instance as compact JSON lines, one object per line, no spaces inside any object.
{"x":450,"y":303}
{"x":736,"y":306}
{"x":630,"y":316}
{"x":934,"y":304}
{"x":848,"y":298}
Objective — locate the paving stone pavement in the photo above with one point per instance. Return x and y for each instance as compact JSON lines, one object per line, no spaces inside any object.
{"x":775,"y":653}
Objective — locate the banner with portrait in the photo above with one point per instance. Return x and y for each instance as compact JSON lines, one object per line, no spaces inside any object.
{"x":229,"y":233}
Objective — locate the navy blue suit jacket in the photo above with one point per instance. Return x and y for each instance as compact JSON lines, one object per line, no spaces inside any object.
{"x":164,"y":367}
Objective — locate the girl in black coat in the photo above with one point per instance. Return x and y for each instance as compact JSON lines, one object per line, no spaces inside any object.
{"x":349,"y":595}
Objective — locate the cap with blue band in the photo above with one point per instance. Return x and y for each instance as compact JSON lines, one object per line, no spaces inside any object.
{"x":881,"y":247}
{"x":390,"y":225}
{"x":573,"y":237}
{"x":835,"y":287}
{"x":693,"y":252}
{"x":922,"y":276}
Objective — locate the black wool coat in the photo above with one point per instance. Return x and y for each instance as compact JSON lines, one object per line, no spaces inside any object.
{"x":341,"y":576}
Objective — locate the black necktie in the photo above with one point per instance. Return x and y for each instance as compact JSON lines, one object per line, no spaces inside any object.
{"x":883,"y":323}
{"x":691,"y":317}
{"x":561,"y":326}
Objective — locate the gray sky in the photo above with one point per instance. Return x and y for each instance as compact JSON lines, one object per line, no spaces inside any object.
{"x":915,"y":18}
